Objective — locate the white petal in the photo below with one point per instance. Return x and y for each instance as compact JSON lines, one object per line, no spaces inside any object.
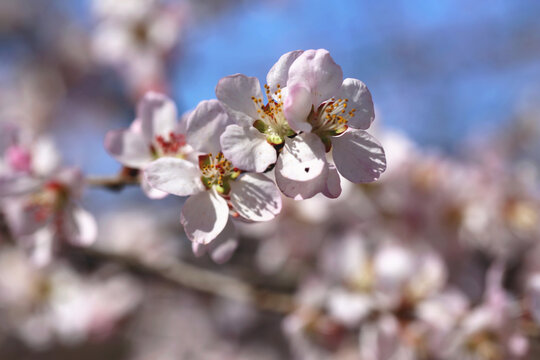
{"x":222,"y":247}
{"x":301,"y":169}
{"x":297,"y":107}
{"x":151,"y":192}
{"x":302,"y":158}
{"x":255,"y":197}
{"x":279,"y":73}
{"x":333,"y":183}
{"x":174,"y":176}
{"x":360,"y":100}
{"x":158,"y":115}
{"x":204,"y":216}
{"x":247,"y":148}
{"x":236,"y":91}
{"x":128,"y":148}
{"x":318,"y":71}
{"x":205,"y":125}
{"x":45,"y":156}
{"x":349,"y":308}
{"x":80,"y":226}
{"x":358,"y":156}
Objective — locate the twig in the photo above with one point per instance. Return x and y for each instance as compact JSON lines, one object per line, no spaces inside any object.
{"x":117,"y":182}
{"x":193,"y":277}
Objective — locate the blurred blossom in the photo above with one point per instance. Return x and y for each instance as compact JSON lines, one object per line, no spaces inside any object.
{"x":45,"y":306}
{"x":136,"y":37}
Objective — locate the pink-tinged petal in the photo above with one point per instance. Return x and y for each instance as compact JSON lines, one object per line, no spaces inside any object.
{"x":222,"y":247}
{"x":151,"y":192}
{"x":533,"y":290}
{"x":236,"y":91}
{"x":333,"y":183}
{"x":247,"y":149}
{"x":297,"y":107}
{"x":80,"y":226}
{"x":158,"y":115}
{"x":174,"y":176}
{"x":279,"y":73}
{"x":358,"y":156}
{"x":15,"y":184}
{"x":360,"y":100}
{"x":301,"y":169}
{"x":128,"y":148}
{"x":205,"y":125}
{"x":317,"y":70}
{"x":255,"y":197}
{"x":204,"y":216}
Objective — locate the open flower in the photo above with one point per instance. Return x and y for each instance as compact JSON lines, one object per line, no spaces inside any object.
{"x":25,"y":160}
{"x":306,"y":110}
{"x":215,"y":187}
{"x":44,"y":219}
{"x":153,"y":134}
{"x":338,"y":111}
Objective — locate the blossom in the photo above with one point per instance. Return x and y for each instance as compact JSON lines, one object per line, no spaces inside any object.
{"x":136,"y":36}
{"x":214,"y":186}
{"x":43,"y":219}
{"x":25,"y":160}
{"x":306,"y":113}
{"x":153,"y":134}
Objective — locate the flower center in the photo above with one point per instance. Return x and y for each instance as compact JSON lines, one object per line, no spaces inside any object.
{"x":48,"y":201}
{"x":217,"y":172}
{"x":331,"y":117}
{"x":271,"y":120}
{"x":172,"y":146}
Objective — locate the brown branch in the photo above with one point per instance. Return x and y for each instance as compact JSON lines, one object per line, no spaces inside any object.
{"x":117,"y":182}
{"x":206,"y":281}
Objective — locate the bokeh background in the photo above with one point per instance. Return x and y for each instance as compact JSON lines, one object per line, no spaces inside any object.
{"x":456,"y":80}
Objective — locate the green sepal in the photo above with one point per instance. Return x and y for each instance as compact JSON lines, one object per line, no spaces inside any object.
{"x":206,"y":182}
{"x":327,"y":143}
{"x":204,"y":160}
{"x":274,"y":139}
{"x":223,"y":189}
{"x":261,"y":126}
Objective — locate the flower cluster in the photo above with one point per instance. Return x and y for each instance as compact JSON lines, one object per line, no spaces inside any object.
{"x":224,"y":154}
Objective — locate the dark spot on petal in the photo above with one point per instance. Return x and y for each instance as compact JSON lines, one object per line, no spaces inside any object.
{"x":306,"y":169}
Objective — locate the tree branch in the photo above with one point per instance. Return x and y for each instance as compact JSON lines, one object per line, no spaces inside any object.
{"x":206,"y":281}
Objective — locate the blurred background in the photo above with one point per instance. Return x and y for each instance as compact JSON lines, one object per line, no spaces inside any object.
{"x":456,"y":87}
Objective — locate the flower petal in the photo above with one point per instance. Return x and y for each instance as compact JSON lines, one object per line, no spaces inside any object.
{"x":255,"y":197}
{"x":358,"y":156}
{"x":128,"y":148}
{"x":204,"y":216}
{"x":317,"y":70}
{"x":158,"y":115}
{"x":301,"y":169}
{"x":174,"y":176}
{"x":236,"y":91}
{"x":279,"y":73}
{"x":302,"y":158}
{"x":333,"y":183}
{"x":360,"y":100}
{"x":151,"y":192}
{"x":80,"y":226}
{"x":222,"y":247}
{"x":205,"y":125}
{"x":297,"y":107}
{"x":247,"y":148}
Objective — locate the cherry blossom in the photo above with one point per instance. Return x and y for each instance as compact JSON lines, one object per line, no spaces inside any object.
{"x":215,"y":187}
{"x":155,"y":133}
{"x":43,"y":219}
{"x":305,"y":113}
